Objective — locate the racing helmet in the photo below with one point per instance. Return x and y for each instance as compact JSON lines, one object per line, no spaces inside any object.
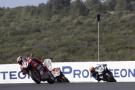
{"x":92,"y":69}
{"x":20,"y":59}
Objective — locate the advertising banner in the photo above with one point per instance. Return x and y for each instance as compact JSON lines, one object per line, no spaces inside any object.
{"x":123,"y":71}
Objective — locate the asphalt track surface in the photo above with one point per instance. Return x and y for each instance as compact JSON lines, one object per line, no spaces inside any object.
{"x":70,"y":86}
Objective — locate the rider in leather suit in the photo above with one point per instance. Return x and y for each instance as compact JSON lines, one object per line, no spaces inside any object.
{"x":23,"y":62}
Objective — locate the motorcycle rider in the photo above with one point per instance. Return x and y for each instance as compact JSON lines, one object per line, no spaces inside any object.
{"x":24,"y":63}
{"x":95,"y":72}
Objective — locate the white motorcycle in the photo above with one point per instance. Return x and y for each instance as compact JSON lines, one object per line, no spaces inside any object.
{"x":103,"y":73}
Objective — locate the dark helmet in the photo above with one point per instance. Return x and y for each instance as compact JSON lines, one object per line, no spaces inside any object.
{"x":92,"y":69}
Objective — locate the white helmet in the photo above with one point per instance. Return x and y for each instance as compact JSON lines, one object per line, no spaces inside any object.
{"x":20,"y":59}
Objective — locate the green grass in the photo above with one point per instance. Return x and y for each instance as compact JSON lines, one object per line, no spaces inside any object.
{"x":67,"y":38}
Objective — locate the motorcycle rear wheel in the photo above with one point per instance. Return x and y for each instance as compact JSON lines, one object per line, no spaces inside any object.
{"x":51,"y":78}
{"x":109,"y":78}
{"x":62,"y":78}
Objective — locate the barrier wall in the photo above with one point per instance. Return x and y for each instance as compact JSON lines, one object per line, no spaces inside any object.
{"x":123,"y":71}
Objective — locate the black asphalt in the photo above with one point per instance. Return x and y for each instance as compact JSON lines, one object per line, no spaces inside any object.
{"x":70,"y":86}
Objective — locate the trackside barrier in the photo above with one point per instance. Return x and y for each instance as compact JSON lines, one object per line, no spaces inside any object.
{"x":123,"y":71}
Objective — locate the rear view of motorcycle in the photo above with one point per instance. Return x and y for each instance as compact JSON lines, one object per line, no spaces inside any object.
{"x":102,"y":73}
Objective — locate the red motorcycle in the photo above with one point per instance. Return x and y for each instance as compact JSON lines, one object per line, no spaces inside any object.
{"x":38,"y":72}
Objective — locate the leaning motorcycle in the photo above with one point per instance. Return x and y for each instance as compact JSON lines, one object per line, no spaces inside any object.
{"x":104,"y":73}
{"x":39,"y":73}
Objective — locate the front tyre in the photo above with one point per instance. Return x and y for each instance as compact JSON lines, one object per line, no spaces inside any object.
{"x":35,"y":75}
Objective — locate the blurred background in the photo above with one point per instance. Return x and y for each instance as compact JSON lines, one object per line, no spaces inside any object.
{"x":66,"y":30}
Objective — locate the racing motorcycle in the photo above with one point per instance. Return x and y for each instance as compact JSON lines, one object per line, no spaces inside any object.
{"x":56,"y":72}
{"x":39,"y":73}
{"x":103,"y":73}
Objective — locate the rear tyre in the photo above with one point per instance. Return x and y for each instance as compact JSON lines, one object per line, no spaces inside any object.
{"x":109,"y":77}
{"x":51,"y":78}
{"x":62,"y":78}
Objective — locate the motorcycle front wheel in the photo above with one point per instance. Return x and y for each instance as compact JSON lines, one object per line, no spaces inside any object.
{"x":35,"y":75}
